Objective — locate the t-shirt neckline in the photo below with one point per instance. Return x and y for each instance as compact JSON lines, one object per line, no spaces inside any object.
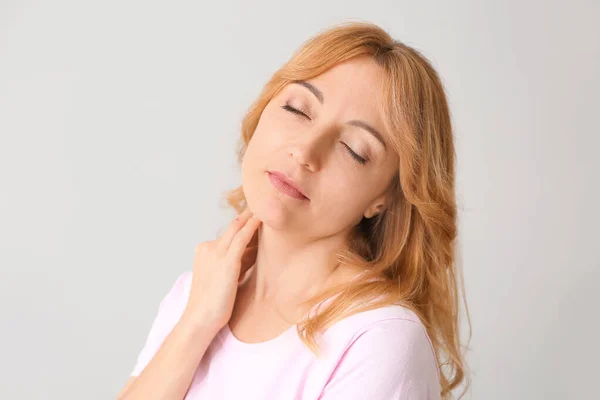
{"x":231,"y":340}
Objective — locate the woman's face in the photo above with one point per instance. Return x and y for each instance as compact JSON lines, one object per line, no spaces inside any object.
{"x":337,"y":153}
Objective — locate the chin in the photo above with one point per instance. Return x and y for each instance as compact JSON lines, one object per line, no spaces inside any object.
{"x":268,"y":204}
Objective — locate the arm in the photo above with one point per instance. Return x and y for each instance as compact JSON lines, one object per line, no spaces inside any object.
{"x":390,"y":360}
{"x":198,"y":305}
{"x":169,"y":374}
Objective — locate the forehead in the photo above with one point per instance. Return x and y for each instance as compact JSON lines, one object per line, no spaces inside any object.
{"x":353,"y":86}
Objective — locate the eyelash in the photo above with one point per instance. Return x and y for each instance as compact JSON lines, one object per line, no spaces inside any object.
{"x":291,"y":109}
{"x":356,"y":157}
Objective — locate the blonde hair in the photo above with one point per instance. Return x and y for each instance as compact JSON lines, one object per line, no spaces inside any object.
{"x":410,"y":246}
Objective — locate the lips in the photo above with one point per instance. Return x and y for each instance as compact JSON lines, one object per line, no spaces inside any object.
{"x":287,"y":185}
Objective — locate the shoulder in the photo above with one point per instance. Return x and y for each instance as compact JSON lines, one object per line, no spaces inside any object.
{"x":387,"y":345}
{"x":401,"y":323}
{"x":394,"y":335}
{"x":393,"y":316}
{"x":169,"y":311}
{"x":174,"y":300}
{"x":180,"y":288}
{"x":183,"y":283}
{"x":400,"y":332}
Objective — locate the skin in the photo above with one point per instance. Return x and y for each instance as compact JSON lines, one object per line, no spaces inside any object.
{"x":217,"y":268}
{"x":297,"y":238}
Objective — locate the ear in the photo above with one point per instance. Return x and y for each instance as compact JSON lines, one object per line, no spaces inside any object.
{"x":375,"y":207}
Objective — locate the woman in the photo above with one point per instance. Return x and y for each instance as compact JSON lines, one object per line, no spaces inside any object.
{"x":337,"y":280}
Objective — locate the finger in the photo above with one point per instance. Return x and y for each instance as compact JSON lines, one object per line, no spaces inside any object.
{"x":248,"y":259}
{"x":242,"y":238}
{"x":233,"y":228}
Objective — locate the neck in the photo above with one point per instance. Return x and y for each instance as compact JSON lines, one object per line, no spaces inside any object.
{"x":290,"y":269}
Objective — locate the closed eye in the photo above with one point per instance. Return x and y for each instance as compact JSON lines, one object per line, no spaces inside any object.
{"x":352,"y":153}
{"x":291,"y":109}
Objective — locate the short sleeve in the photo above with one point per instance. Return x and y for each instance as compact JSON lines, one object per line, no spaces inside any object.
{"x":169,"y":311}
{"x":390,"y":360}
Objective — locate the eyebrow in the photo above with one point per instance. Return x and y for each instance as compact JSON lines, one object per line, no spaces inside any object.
{"x":318,"y":94}
{"x":360,"y":124}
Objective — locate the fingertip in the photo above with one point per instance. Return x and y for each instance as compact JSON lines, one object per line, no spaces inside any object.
{"x":244,"y":215}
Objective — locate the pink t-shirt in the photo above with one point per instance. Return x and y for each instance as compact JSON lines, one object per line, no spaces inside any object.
{"x":380,"y":354}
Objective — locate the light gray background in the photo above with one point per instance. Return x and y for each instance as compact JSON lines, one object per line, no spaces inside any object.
{"x":118,"y":124}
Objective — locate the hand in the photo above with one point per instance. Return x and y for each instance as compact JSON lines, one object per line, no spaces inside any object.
{"x":218,"y":267}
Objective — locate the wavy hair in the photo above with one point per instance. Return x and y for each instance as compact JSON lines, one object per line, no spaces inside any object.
{"x":410,"y":247}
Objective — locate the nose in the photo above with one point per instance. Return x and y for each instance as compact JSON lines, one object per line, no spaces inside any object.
{"x":310,"y":149}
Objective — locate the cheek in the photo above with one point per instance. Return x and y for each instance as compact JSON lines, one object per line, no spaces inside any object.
{"x":251,"y":164}
{"x":258,"y":146}
{"x":347,"y":192}
{"x":266,"y":139}
{"x":341,"y":196}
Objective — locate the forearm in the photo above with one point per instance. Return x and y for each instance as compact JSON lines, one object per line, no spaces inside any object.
{"x":169,"y":374}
